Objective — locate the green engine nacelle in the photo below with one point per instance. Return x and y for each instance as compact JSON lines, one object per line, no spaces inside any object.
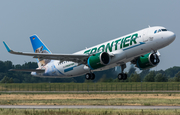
{"x":98,"y":60}
{"x":147,"y":61}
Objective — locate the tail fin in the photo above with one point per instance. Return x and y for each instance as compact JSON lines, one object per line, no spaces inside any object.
{"x":39,"y":47}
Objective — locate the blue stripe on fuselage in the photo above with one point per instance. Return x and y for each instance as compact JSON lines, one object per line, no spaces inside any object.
{"x":69,"y":69}
{"x":141,"y":43}
{"x":58,"y":70}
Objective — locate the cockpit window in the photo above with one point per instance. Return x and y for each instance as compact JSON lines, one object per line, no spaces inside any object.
{"x":155,"y":31}
{"x":160,"y":30}
{"x":164,"y":29}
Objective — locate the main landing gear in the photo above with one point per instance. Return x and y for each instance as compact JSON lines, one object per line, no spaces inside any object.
{"x":90,"y":76}
{"x":122,"y":76}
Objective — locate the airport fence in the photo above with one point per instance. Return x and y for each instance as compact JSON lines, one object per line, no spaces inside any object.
{"x":117,"y":86}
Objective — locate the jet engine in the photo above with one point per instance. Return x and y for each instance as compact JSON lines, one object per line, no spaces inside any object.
{"x":147,"y":61}
{"x":98,"y":60}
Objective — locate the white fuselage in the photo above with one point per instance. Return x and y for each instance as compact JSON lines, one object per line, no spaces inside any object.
{"x":122,"y":50}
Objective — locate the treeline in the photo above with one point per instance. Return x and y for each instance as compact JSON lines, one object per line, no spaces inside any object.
{"x":6,"y":76}
{"x":169,"y":75}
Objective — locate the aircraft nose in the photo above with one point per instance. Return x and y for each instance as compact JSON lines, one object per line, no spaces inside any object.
{"x":172,"y":36}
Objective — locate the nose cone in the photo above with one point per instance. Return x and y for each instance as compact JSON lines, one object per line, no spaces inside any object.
{"x":172,"y":36}
{"x":169,"y":37}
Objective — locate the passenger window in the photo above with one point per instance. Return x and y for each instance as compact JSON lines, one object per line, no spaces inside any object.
{"x":155,"y":31}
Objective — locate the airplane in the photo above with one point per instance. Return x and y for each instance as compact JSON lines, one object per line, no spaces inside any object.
{"x":140,"y":48}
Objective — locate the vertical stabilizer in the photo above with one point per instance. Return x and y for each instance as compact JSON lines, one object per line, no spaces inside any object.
{"x":39,"y":47}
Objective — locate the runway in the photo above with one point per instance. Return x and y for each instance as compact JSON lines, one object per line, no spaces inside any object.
{"x":84,"y":107}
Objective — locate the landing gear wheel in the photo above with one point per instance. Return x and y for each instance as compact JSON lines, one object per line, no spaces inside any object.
{"x":92,"y":76}
{"x":88,"y":76}
{"x":124,"y":76}
{"x":120,"y":76}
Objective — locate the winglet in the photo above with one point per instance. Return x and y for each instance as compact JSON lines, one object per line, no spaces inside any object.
{"x":7,"y":47}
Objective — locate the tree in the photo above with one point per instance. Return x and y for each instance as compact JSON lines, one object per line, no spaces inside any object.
{"x":30,"y":65}
{"x":8,"y":65}
{"x":11,"y":80}
{"x":103,"y":78}
{"x":171,"y":79}
{"x":135,"y":77}
{"x":150,"y":77}
{"x":15,"y":80}
{"x":2,"y":66}
{"x":177,"y":77}
{"x":144,"y":73}
{"x":6,"y":80}
{"x":172,"y":71}
{"x":109,"y":75}
{"x":160,"y":78}
{"x":2,"y":75}
{"x":109,"y":80}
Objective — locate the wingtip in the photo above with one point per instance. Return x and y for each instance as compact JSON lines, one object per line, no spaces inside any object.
{"x":7,"y":47}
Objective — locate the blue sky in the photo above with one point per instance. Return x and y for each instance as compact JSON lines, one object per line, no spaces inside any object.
{"x":67,"y":26}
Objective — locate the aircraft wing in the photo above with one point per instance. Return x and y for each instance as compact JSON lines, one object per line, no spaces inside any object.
{"x":79,"y":58}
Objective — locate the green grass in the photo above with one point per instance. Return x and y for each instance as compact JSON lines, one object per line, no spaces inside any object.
{"x":87,"y":112}
{"x":115,"y":86}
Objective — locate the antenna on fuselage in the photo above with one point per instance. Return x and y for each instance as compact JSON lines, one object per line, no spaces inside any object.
{"x":149,"y":26}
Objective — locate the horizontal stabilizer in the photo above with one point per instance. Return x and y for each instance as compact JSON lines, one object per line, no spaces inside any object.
{"x":29,"y":70}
